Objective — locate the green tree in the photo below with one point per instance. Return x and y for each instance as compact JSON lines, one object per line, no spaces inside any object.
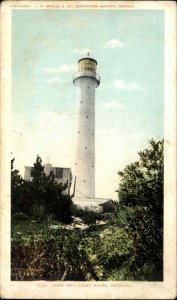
{"x":37,"y":173}
{"x":48,"y":195}
{"x":142,"y":181}
{"x":140,"y":210}
{"x":16,"y":189}
{"x":37,"y":189}
{"x":56,"y":202}
{"x":42,"y":196}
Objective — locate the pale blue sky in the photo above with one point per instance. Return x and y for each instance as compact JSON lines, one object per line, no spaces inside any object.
{"x":129,"y":48}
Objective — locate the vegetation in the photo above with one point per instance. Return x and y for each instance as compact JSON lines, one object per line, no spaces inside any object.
{"x":88,"y":217}
{"x":40,"y":198}
{"x":123,"y":245}
{"x":141,"y":211}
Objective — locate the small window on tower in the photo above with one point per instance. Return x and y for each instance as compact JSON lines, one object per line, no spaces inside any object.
{"x":59,"y":172}
{"x":87,"y":117}
{"x":88,"y":87}
{"x":85,"y":147}
{"x":81,"y":102}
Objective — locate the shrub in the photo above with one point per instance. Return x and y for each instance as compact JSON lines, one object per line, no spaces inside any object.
{"x":20,"y":216}
{"x":89,"y":217}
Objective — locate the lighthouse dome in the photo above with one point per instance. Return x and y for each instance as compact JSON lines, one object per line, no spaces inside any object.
{"x":87,"y":64}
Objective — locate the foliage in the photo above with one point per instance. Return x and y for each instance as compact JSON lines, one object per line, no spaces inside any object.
{"x":42,"y":253}
{"x":38,"y":252}
{"x":115,"y":253}
{"x":128,"y":247}
{"x":37,"y":189}
{"x":142,"y":181}
{"x":37,"y":173}
{"x":17,"y":184}
{"x":40,"y":197}
{"x":20,"y":216}
{"x":140,"y":210}
{"x":89,"y":217}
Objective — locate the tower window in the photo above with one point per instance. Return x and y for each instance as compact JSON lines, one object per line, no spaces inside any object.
{"x":92,"y":166}
{"x":59,"y":172}
{"x":84,"y":180}
{"x":87,"y":117}
{"x":76,"y":164}
{"x":88,"y":87}
{"x":81,"y":102}
{"x":85,"y":147}
{"x":78,"y":132}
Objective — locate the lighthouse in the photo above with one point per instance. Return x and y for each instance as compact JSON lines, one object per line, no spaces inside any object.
{"x":86,"y":81}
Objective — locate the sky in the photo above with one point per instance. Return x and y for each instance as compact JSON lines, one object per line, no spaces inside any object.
{"x":46,"y":46}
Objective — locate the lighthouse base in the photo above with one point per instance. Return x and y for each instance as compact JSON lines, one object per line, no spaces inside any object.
{"x":92,"y":204}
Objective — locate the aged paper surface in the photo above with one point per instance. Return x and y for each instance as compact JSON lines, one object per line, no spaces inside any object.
{"x":91,"y":290}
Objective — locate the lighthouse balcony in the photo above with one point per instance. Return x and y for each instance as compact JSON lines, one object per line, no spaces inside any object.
{"x":87,"y":74}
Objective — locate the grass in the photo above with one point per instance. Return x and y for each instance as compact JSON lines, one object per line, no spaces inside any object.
{"x":40,"y":252}
{"x":49,"y":250}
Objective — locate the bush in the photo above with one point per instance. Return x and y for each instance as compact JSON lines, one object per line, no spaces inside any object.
{"x":89,"y":217}
{"x":39,"y":253}
{"x":40,"y":197}
{"x":140,"y":211}
{"x":20,"y":216}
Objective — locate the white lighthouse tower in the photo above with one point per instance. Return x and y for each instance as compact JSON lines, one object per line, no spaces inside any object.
{"x":86,"y":80}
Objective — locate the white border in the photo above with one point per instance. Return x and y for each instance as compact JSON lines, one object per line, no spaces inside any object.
{"x":93,"y":290}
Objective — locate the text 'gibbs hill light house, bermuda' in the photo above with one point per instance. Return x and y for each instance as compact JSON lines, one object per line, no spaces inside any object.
{"x":86,"y":80}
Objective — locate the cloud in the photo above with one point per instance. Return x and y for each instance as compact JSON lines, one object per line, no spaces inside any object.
{"x":53,"y":120}
{"x":115,"y":105}
{"x":62,"y":69}
{"x":53,"y":80}
{"x":82,"y":51}
{"x":114,"y":43}
{"x":122,"y":85}
{"x":111,"y":106}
